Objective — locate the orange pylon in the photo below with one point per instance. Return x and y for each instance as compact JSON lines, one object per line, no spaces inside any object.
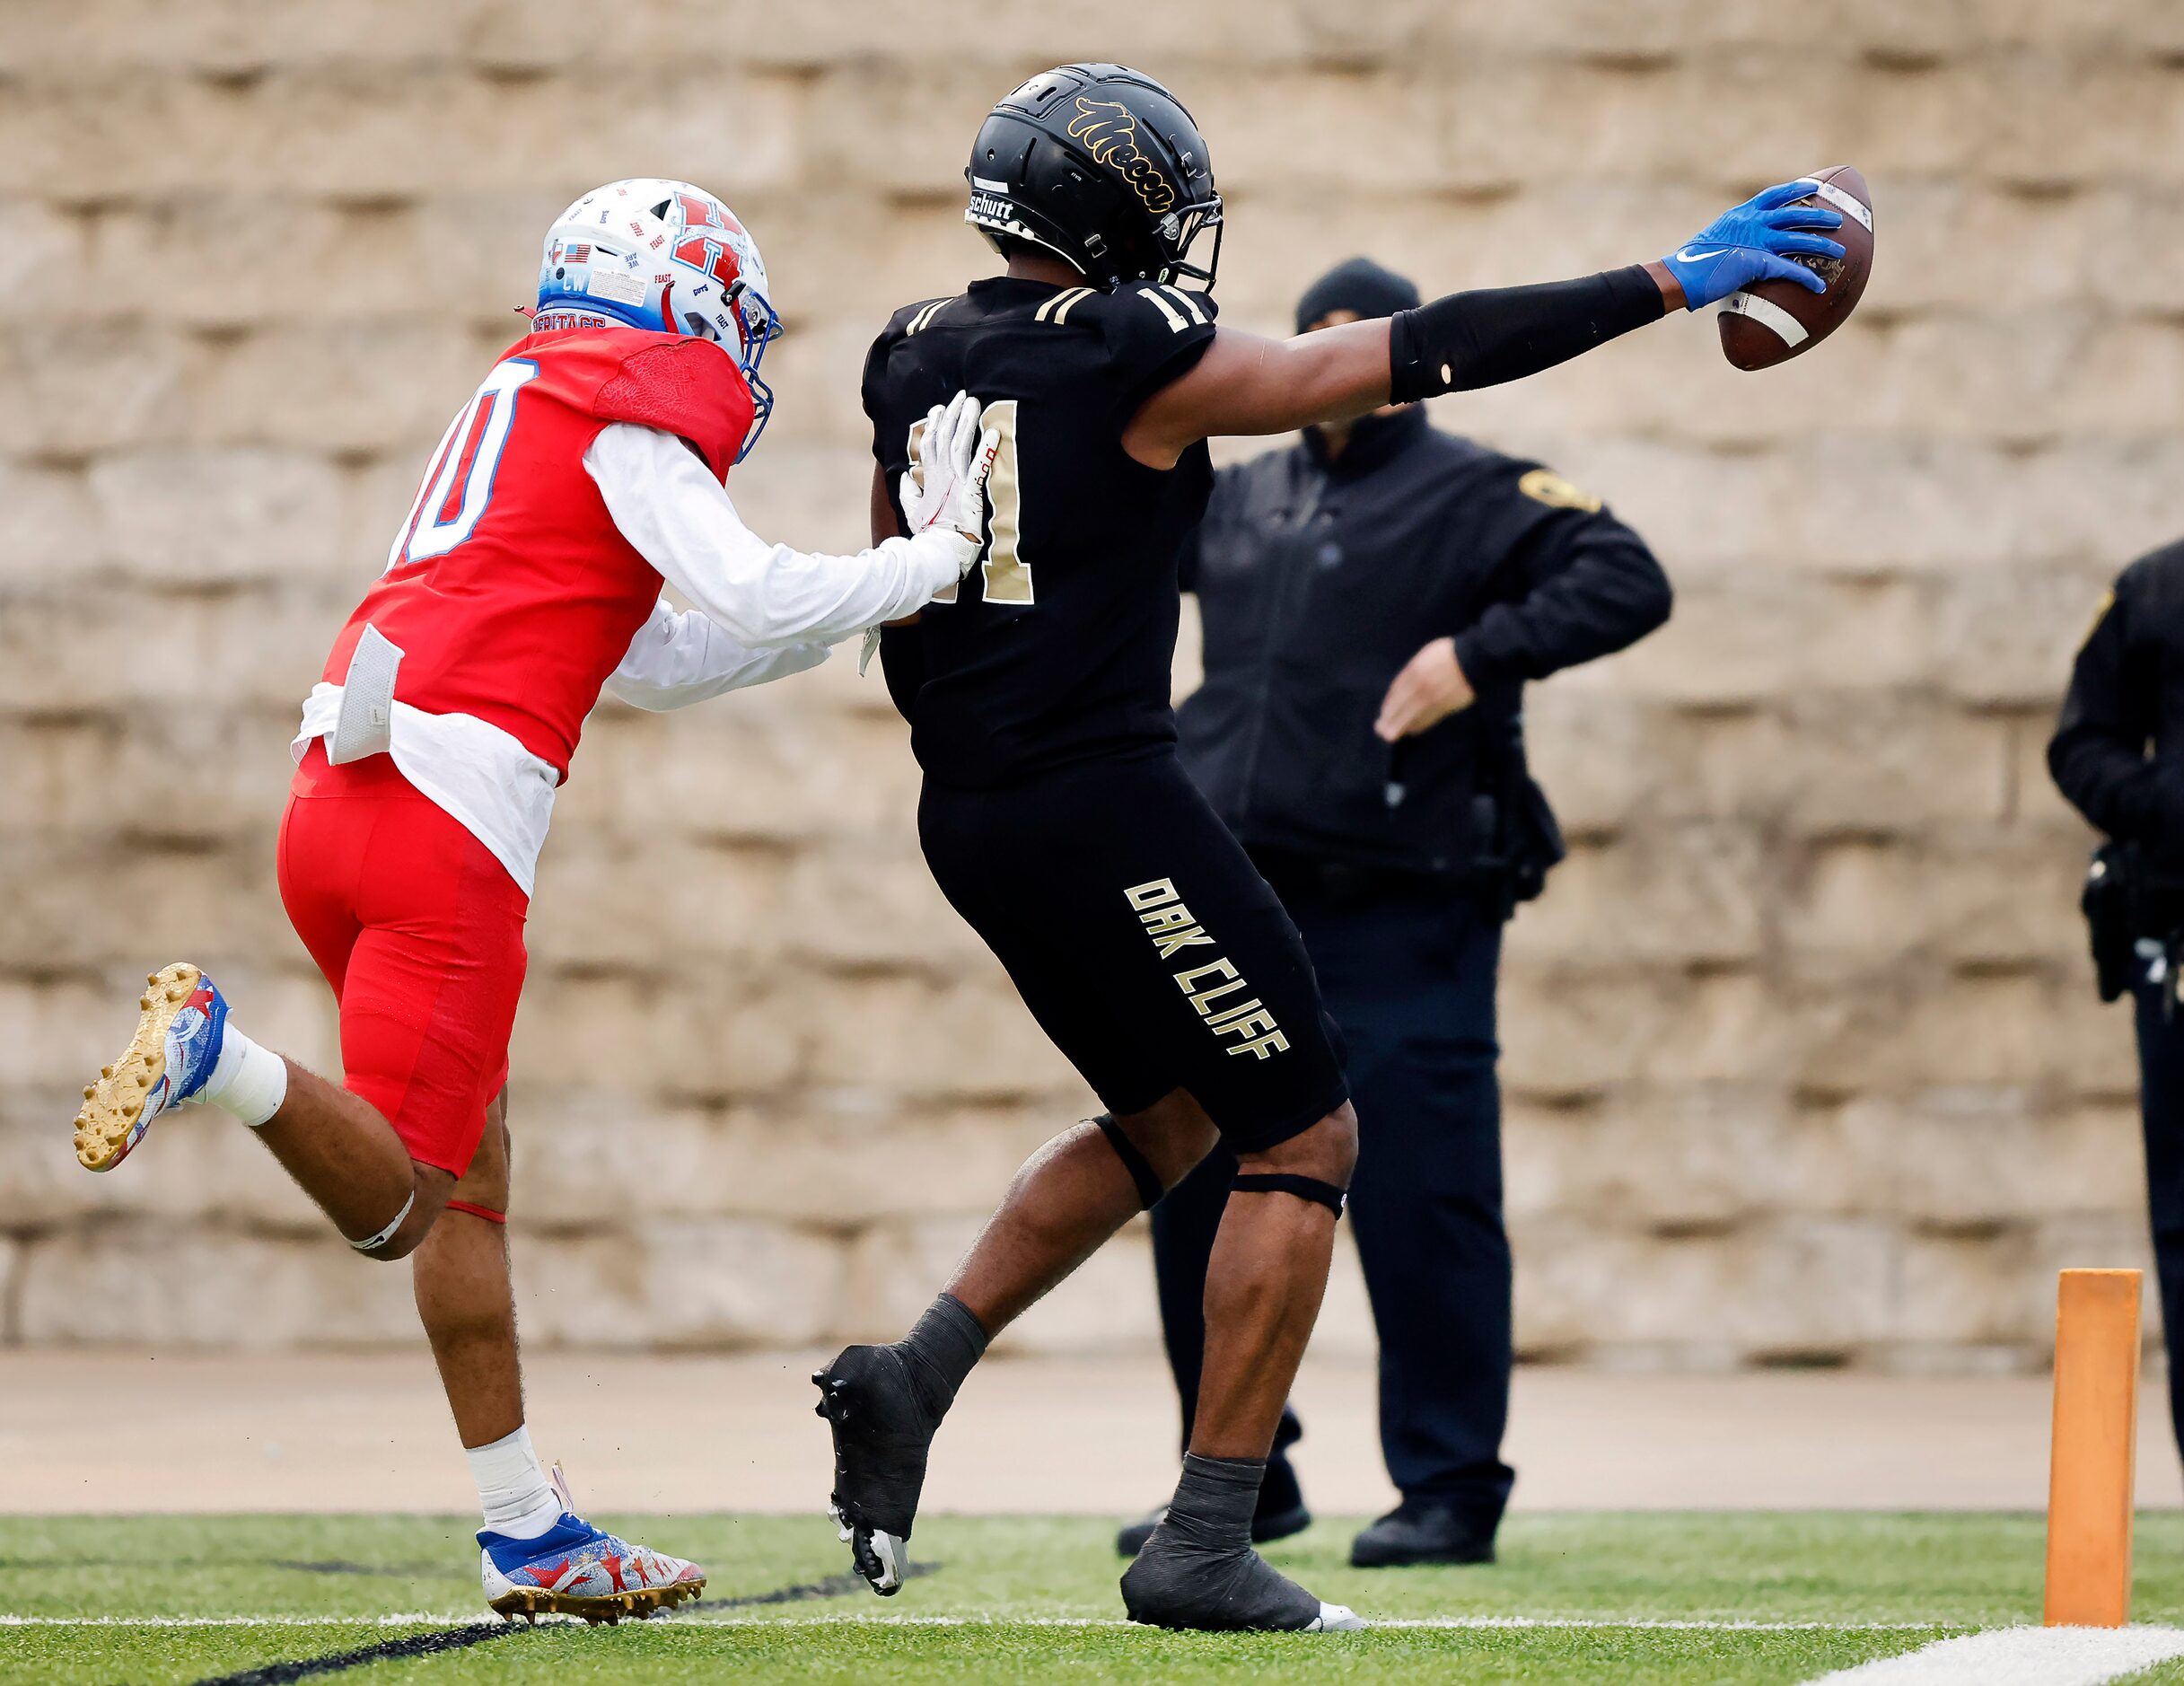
{"x":2092,"y":1460}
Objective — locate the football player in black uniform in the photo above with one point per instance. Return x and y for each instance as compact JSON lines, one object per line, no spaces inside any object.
{"x":1054,"y":814}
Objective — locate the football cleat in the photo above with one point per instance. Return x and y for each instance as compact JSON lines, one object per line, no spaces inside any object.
{"x":181,"y":1019}
{"x":1174,"y":1584}
{"x":574,"y":1569}
{"x":882,"y":1430}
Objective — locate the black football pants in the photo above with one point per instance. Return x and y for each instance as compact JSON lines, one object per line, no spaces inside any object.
{"x":1409,"y":977}
{"x":2161,"y":1098}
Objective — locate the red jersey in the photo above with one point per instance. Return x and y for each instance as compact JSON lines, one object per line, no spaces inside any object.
{"x":509,"y":589}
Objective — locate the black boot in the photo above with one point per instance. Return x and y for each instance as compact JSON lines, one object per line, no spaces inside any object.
{"x":1419,"y":1531}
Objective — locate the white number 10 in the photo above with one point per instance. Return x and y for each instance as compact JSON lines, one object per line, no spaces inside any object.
{"x":459,"y":478}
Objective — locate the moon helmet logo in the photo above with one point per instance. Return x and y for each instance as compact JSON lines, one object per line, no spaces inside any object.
{"x":1108,"y":130}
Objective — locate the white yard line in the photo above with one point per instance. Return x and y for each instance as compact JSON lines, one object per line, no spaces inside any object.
{"x":1582,"y":1623}
{"x":410,"y":1618}
{"x":415,"y":1618}
{"x":2020,"y":1657}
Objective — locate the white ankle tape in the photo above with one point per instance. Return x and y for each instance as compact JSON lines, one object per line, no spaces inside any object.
{"x":387,"y":1235}
{"x":249,"y":1081}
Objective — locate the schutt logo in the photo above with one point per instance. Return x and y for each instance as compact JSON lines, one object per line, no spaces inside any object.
{"x":1109,"y":134}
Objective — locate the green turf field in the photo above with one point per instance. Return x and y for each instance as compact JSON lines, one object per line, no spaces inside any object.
{"x":1025,"y":1599}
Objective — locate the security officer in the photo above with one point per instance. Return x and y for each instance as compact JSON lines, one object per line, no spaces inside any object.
{"x":1374,"y":599}
{"x":2117,"y":754}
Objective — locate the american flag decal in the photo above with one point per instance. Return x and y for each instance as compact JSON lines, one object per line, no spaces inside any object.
{"x":579,"y":251}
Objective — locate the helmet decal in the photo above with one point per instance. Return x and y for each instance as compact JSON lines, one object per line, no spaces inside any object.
{"x":1108,"y":131}
{"x":716,"y":258}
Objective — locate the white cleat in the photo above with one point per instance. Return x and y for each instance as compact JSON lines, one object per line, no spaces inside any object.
{"x":1337,"y":1618}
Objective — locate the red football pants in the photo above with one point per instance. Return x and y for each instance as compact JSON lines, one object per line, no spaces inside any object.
{"x":419,"y":930}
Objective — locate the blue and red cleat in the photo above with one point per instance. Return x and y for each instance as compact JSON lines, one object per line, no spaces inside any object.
{"x":574,"y":1569}
{"x":180,"y":1021}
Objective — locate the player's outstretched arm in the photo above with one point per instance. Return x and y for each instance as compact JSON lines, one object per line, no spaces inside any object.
{"x":668,"y":507}
{"x":680,"y":658}
{"x":1245,"y":384}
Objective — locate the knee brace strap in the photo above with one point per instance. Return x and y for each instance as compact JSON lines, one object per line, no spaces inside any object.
{"x":486,"y":1212}
{"x":1150,"y":1187}
{"x":1304,"y":1187}
{"x":387,"y":1235}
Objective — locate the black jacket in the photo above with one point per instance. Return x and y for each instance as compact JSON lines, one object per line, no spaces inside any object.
{"x":2118,"y":752}
{"x":1317,"y":581}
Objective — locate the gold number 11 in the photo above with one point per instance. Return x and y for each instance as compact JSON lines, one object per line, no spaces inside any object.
{"x":1006,"y":575}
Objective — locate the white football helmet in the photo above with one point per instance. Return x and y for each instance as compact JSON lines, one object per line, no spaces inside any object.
{"x":666,"y":256}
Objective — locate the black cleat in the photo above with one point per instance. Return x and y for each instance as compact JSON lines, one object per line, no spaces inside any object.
{"x":1176,"y":1583}
{"x":882,"y":1428}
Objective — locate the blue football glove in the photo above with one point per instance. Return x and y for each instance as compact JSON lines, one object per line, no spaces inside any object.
{"x":1754,"y":242}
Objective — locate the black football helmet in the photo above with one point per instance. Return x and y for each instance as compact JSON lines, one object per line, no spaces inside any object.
{"x":1102,"y":166}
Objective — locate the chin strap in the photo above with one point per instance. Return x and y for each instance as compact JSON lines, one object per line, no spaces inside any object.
{"x":387,"y":1235}
{"x":486,"y":1212}
{"x":1304,"y":1187}
{"x":1149,"y":1185}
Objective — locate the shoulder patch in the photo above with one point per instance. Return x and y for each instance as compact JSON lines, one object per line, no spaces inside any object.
{"x":1544,"y":486}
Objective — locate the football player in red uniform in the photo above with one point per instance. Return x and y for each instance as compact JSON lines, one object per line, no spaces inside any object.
{"x":585,"y":472}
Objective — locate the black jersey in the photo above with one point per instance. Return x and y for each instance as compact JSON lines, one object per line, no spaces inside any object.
{"x":1057,"y":645}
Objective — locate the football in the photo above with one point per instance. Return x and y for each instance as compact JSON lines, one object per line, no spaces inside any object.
{"x":1772,"y":321}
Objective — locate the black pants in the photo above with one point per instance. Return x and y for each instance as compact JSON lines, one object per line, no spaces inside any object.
{"x":2161,"y":1099}
{"x":1409,"y":976}
{"x":1144,"y":940}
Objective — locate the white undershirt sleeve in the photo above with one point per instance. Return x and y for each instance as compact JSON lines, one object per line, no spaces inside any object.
{"x":678,"y":517}
{"x":678,"y":659}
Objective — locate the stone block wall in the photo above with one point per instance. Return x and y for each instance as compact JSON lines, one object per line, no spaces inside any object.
{"x":1802,"y":1059}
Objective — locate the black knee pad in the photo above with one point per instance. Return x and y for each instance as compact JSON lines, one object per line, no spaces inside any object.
{"x":1150,"y":1188}
{"x":1304,"y":1187}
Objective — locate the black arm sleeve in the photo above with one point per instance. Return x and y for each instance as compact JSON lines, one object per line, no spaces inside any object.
{"x":1472,"y":339}
{"x":2098,"y":755}
{"x":1579,"y":587}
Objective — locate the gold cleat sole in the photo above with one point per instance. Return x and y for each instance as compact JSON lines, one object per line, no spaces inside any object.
{"x":528,"y":1603}
{"x":113,"y":1105}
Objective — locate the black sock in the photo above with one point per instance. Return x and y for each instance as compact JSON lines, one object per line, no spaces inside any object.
{"x":1213,"y":1504}
{"x":945,"y":1344}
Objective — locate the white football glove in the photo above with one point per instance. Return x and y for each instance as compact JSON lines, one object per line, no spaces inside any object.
{"x":945,"y":487}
